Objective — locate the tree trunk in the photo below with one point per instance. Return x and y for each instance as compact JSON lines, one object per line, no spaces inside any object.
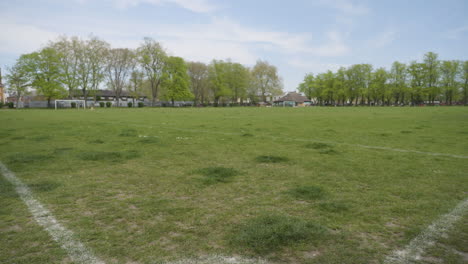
{"x":85,"y":96}
{"x":18,"y":101}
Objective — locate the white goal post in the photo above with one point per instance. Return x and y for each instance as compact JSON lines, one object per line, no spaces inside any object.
{"x":72,"y":101}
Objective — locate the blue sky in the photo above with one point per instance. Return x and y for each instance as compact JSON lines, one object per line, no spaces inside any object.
{"x":296,"y":36}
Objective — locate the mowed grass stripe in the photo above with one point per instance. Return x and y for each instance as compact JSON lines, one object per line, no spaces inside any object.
{"x":64,"y":237}
{"x":313,"y":140}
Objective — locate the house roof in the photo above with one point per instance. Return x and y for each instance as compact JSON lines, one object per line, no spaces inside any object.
{"x":293,"y":96}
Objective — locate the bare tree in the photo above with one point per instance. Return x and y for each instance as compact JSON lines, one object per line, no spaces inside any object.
{"x":119,"y":67}
{"x":98,"y":51}
{"x":152,"y":58}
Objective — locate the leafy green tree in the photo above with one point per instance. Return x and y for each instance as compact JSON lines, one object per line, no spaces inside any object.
{"x":379,"y":86}
{"x":218,"y":76}
{"x":81,"y":64}
{"x":431,"y":75}
{"x":358,"y":76}
{"x":398,"y":82}
{"x":152,"y":58}
{"x":68,"y":50}
{"x":18,"y":80}
{"x":464,"y":80}
{"x":176,"y":80}
{"x":449,"y":72}
{"x":319,"y":87}
{"x":199,"y":82}
{"x":340,"y":85}
{"x":328,"y":91}
{"x":238,"y":78}
{"x":44,"y":71}
{"x":265,"y":79}
{"x":416,"y":72}
{"x":307,"y":86}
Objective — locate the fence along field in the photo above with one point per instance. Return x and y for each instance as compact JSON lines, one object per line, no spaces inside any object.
{"x":279,"y":185}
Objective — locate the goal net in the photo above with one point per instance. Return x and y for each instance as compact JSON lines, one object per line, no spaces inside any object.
{"x":69,"y":104}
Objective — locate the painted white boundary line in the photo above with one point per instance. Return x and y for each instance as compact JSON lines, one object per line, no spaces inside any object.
{"x":414,"y":250}
{"x":64,"y":237}
{"x":218,"y":259}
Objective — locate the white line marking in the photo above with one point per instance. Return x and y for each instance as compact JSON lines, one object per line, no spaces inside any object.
{"x":64,"y":237}
{"x":414,"y":250}
{"x":217,"y":259}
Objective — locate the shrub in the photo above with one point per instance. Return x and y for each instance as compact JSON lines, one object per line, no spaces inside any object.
{"x":73,"y":105}
{"x":1,"y":104}
{"x":307,"y":192}
{"x":98,"y":98}
{"x":268,"y":233}
{"x":11,"y":105}
{"x":130,"y":104}
{"x":102,"y":104}
{"x":271,"y":159}
{"x":108,"y":104}
{"x":217,"y":174}
{"x":141,"y":104}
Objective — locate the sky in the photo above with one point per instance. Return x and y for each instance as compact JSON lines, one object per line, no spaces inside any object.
{"x":297,"y":36}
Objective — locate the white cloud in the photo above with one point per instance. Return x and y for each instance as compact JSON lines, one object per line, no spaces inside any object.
{"x":198,"y":6}
{"x":228,"y":31}
{"x":456,"y":33}
{"x":346,"y":7}
{"x":383,"y":39}
{"x":314,"y":66}
{"x":207,"y":50}
{"x":21,"y":38}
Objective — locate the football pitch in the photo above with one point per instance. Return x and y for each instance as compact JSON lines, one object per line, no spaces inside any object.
{"x":233,"y":185}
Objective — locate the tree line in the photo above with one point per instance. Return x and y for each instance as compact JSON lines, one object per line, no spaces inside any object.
{"x":415,"y":83}
{"x":71,"y":67}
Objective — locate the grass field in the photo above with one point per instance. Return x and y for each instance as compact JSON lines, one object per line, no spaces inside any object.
{"x":287,"y":185}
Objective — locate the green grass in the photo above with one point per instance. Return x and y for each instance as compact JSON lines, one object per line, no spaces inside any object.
{"x":269,"y":233}
{"x":217,"y":174}
{"x":153,"y":185}
{"x":270,"y":159}
{"x":307,"y":192}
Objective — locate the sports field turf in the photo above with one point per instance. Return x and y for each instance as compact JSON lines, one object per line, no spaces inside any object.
{"x":287,"y":185}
